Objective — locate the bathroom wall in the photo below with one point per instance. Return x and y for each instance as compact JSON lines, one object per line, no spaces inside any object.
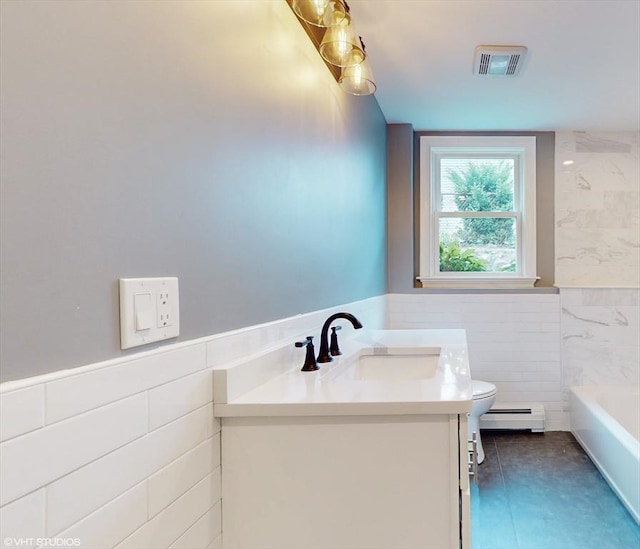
{"x":514,"y":336}
{"x":598,"y":209}
{"x":598,"y":256}
{"x":600,"y":336}
{"x":126,"y":453}
{"x":204,"y":140}
{"x":513,"y":339}
{"x":535,"y":345}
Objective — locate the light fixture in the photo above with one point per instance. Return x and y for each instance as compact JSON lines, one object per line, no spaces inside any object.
{"x":321,"y":13}
{"x":357,"y":79}
{"x":340,"y":46}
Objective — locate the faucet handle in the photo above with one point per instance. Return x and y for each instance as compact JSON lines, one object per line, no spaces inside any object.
{"x":310,"y":364}
{"x":308,"y":341}
{"x":333,"y":347}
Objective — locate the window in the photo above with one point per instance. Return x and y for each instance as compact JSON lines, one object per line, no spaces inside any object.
{"x":478,"y":216}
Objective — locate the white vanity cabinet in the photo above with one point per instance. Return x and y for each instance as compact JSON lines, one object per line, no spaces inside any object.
{"x":369,"y":452}
{"x":345,"y":482}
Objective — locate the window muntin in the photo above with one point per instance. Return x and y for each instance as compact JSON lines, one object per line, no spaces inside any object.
{"x":478,"y":194}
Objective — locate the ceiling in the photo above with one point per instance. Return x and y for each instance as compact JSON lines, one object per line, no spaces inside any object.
{"x":582,"y":70}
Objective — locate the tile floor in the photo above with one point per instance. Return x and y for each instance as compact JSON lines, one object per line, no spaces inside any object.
{"x":541,"y":491}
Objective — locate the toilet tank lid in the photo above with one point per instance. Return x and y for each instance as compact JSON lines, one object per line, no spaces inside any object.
{"x":483,"y":388}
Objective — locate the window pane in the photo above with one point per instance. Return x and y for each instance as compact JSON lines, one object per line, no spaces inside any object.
{"x":476,"y":185}
{"x":477,"y":244}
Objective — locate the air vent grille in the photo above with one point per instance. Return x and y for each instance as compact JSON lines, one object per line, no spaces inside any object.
{"x":499,"y":60}
{"x":484,"y":63}
{"x":513,"y":64}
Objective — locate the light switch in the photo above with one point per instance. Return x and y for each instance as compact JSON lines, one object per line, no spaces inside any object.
{"x":143,"y":310}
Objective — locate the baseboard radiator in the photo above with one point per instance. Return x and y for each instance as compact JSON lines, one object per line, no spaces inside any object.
{"x":514,"y":416}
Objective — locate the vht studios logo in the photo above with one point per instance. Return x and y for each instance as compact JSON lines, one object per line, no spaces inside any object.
{"x":41,"y":542}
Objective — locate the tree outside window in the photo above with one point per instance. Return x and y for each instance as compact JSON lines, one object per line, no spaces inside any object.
{"x":476,"y":244}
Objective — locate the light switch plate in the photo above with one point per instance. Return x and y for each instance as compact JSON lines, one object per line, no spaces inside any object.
{"x":149,"y":310}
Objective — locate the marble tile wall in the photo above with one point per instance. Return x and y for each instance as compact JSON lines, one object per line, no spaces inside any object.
{"x":597,"y":267}
{"x":597,"y":237}
{"x":600,"y":336}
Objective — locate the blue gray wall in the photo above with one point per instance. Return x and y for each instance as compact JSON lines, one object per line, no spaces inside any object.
{"x":204,"y":140}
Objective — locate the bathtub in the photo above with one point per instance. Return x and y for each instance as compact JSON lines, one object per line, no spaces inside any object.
{"x":606,"y":422}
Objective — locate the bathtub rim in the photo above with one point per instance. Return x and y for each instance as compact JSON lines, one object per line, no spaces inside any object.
{"x":626,"y":438}
{"x":586,"y":397}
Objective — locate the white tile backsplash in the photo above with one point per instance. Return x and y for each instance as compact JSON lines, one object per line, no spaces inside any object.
{"x":127,"y":452}
{"x":260,"y":362}
{"x":111,"y":523}
{"x":170,"y":482}
{"x":37,"y":458}
{"x":513,"y":339}
{"x":201,"y":534}
{"x":78,"y":393}
{"x":216,"y":543}
{"x":84,"y":490}
{"x":21,"y":411}
{"x":177,"y":398}
{"x":241,"y":344}
{"x":167,"y":526}
{"x":24,"y":518}
{"x":254,"y":371}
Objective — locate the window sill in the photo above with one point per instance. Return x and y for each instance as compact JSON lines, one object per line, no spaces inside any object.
{"x":486,"y":282}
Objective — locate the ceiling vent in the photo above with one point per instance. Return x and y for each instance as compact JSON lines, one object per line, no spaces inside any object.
{"x":499,"y":60}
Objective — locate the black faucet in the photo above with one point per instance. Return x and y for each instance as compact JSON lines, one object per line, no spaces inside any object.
{"x":323,"y":355}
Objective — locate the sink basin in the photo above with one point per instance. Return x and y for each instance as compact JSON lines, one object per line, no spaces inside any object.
{"x":394,"y":364}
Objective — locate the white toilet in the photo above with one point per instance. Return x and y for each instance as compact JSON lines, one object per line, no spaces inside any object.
{"x":484,"y":395}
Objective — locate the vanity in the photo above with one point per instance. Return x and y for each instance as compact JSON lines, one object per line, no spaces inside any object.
{"x":368,"y":452}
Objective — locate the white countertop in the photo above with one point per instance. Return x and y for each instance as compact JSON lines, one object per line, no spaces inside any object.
{"x":326,"y":392}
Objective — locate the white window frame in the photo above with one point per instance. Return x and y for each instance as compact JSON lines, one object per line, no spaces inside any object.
{"x":523,"y":149}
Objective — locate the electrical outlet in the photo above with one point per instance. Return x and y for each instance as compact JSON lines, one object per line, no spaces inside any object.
{"x":149,"y":310}
{"x":164,"y":309}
